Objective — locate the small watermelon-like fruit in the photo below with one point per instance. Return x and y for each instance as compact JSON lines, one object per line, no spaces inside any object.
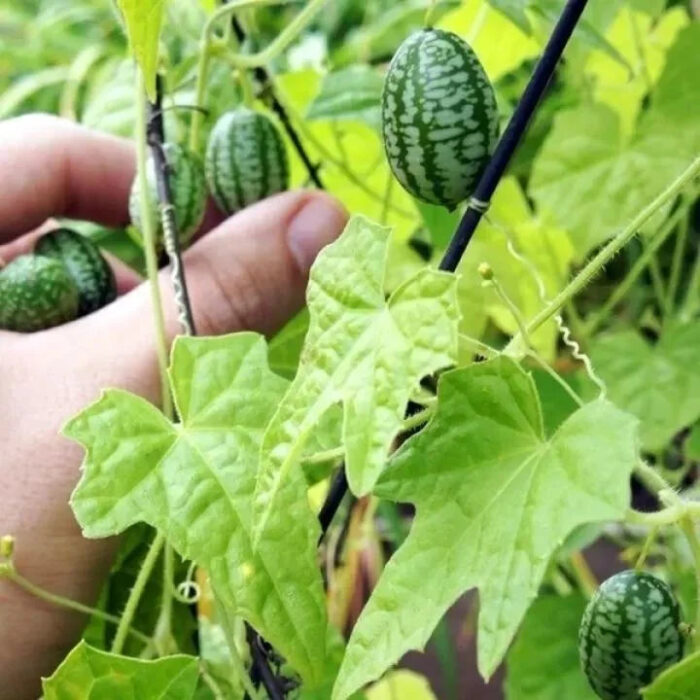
{"x":629,"y":634}
{"x":188,"y":188}
{"x":439,"y":117}
{"x":36,"y":293}
{"x":85,"y":265}
{"x":246,"y":160}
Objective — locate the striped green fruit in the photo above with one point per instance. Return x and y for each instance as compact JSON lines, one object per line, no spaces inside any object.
{"x":36,"y":293}
{"x":439,"y":117}
{"x":85,"y":265}
{"x":629,"y":634}
{"x":188,"y":188}
{"x":246,"y":160}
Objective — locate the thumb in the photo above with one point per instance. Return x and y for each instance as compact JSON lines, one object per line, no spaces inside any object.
{"x":249,"y":273}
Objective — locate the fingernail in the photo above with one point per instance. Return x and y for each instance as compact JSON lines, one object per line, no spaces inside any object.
{"x":318,"y":223}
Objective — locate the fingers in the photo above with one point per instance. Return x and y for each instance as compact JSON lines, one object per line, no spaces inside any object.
{"x":52,"y":167}
{"x":248,"y":273}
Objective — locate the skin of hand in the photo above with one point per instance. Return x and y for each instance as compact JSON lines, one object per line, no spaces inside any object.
{"x":248,"y":272}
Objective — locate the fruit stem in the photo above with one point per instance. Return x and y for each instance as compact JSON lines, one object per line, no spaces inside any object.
{"x":8,"y":571}
{"x":640,"y":263}
{"x":611,"y":249}
{"x":148,"y":232}
{"x":688,"y":527}
{"x":136,"y":592}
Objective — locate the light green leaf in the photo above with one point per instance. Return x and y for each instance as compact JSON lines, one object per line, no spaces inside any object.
{"x":494,"y":499}
{"x":643,"y":42}
{"x":515,"y":11}
{"x":285,"y":347}
{"x":659,"y":384}
{"x":352,"y":93}
{"x":593,"y":181}
{"x":692,"y":444}
{"x":543,"y":663}
{"x":680,"y":682}
{"x":143,"y":20}
{"x":501,"y":45}
{"x":401,"y":684}
{"x":363,"y":351}
{"x":194,"y":481}
{"x":440,"y":222}
{"x":88,"y":673}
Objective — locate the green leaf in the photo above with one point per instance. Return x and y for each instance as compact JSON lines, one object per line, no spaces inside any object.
{"x":593,"y":181}
{"x":89,"y":673}
{"x":143,"y":20}
{"x":401,"y":684}
{"x":515,"y":11}
{"x":543,"y":663}
{"x":195,"y":483}
{"x":494,"y":499}
{"x":440,"y":222}
{"x":353,"y":93}
{"x":363,"y":351}
{"x":659,"y":384}
{"x":285,"y":347}
{"x":680,"y":682}
{"x":692,"y":444}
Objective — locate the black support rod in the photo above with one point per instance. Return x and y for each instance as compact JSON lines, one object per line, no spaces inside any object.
{"x":478,"y":204}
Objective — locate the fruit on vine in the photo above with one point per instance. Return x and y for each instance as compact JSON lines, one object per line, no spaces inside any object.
{"x":629,"y":634}
{"x":246,"y":159}
{"x":85,"y":265}
{"x":188,"y":188}
{"x":36,"y":292}
{"x":439,"y":117}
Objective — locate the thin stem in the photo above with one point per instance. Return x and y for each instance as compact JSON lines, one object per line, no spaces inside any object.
{"x":136,"y":592}
{"x":646,"y":547}
{"x":478,"y":23}
{"x":637,"y":268}
{"x":613,"y":247}
{"x":514,"y":311}
{"x":384,"y":213}
{"x":282,"y":41}
{"x":657,"y":282}
{"x":651,"y":478}
{"x":148,"y":233}
{"x":162,"y":636}
{"x":202,"y":73}
{"x":418,"y":419}
{"x":483,"y":348}
{"x":9,"y":572}
{"x":677,"y":264}
{"x":349,"y":174}
{"x":658,"y":518}
{"x":584,"y":576}
{"x":692,"y":295}
{"x":688,"y":527}
{"x":325,"y":456}
{"x":555,"y":376}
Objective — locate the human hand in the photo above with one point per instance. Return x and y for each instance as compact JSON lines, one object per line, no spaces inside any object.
{"x":249,"y":272}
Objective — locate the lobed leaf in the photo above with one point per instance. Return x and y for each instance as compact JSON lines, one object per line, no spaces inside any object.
{"x":593,"y":180}
{"x":362,"y":351}
{"x":680,"y":682}
{"x":143,"y":19}
{"x":494,"y":498}
{"x":659,"y":384}
{"x":195,"y":481}
{"x":91,"y":673}
{"x":543,"y":663}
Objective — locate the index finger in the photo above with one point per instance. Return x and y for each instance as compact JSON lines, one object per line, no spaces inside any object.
{"x":53,"y":167}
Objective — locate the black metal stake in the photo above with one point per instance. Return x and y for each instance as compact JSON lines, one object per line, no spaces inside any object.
{"x":263,"y":77}
{"x":488,"y":182}
{"x":156,"y":139}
